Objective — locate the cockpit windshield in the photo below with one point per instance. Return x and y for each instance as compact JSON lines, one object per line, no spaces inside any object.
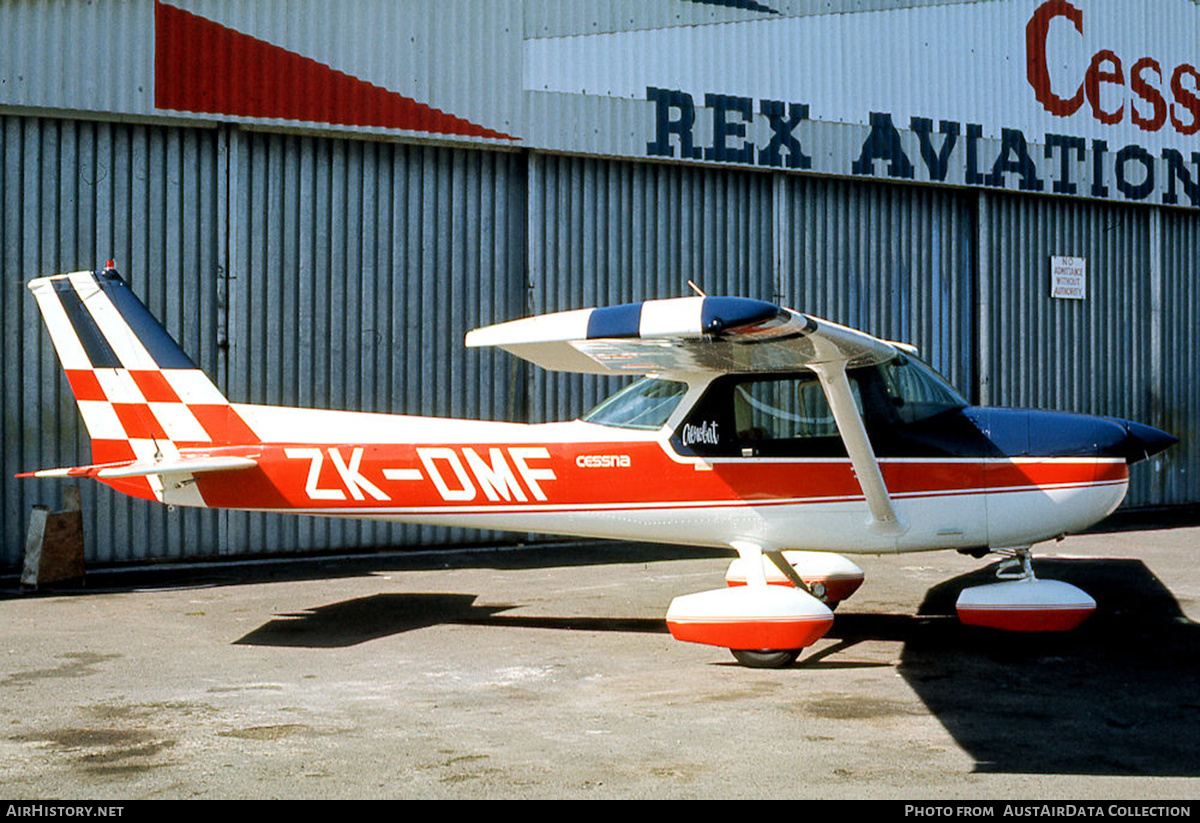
{"x":916,"y":391}
{"x":645,"y":404}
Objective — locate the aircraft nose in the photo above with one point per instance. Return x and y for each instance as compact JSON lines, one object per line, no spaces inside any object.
{"x":1142,"y":441}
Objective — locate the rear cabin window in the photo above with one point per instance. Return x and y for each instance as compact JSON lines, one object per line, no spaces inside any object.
{"x":646,"y":404}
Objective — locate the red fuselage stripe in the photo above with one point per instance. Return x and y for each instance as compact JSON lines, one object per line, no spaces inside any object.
{"x":562,"y":477}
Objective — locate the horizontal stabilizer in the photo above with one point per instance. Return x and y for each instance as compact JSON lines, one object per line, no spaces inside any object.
{"x":687,"y":334}
{"x":146,"y":468}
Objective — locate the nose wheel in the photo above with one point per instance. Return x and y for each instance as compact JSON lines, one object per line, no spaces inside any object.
{"x":1018,"y":566}
{"x":1021,"y":602}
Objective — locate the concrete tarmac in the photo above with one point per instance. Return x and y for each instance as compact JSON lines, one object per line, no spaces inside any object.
{"x":549,"y":673}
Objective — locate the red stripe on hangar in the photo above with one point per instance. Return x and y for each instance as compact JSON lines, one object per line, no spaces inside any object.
{"x":202,"y":66}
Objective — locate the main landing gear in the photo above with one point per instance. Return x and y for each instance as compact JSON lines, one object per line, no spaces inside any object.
{"x":770,"y":609}
{"x":766,"y":659}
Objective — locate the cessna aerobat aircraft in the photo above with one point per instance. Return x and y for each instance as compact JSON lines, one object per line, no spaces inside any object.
{"x":778,"y":435}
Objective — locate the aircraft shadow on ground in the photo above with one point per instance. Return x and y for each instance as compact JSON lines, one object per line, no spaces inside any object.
{"x":1117,"y":696}
{"x":367,"y":618}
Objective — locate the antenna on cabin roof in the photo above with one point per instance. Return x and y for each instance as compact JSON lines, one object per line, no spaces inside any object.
{"x":697,"y":289}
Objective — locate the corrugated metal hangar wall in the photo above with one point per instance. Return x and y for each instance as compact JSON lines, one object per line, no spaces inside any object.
{"x":341,"y":269}
{"x":294,"y":270}
{"x":343,"y":273}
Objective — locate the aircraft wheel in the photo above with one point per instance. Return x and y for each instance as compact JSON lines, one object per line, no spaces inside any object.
{"x":766,"y":658}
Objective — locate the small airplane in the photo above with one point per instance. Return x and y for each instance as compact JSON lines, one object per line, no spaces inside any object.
{"x":786,"y":438}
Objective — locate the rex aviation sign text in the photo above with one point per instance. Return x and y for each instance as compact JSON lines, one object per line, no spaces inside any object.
{"x":1056,"y":96}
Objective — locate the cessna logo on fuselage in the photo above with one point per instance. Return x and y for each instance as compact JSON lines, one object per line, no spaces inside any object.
{"x":603,"y":461}
{"x":458,"y":473}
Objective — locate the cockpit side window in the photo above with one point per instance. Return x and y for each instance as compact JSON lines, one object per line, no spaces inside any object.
{"x":783,"y":409}
{"x":788,"y":414}
{"x":763,"y":414}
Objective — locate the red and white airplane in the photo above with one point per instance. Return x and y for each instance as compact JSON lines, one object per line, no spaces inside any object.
{"x":781,"y":436}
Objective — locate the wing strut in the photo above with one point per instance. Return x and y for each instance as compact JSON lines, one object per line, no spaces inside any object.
{"x":858,"y":446}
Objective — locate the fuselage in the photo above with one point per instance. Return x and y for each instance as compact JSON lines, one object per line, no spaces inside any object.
{"x":755,"y":426}
{"x":963,"y":477}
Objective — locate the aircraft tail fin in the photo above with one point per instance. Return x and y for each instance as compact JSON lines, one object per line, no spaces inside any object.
{"x":141,"y":397}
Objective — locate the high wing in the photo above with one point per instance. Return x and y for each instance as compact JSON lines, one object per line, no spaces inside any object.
{"x":686,"y":334}
{"x":712,"y":334}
